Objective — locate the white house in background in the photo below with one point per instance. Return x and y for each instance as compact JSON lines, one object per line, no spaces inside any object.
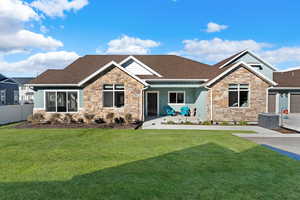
{"x":25,"y":92}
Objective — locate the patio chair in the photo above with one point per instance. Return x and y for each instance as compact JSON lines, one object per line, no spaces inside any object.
{"x":185,"y":111}
{"x":169,"y":111}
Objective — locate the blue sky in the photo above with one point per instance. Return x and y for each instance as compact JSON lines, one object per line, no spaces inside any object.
{"x":37,"y":35}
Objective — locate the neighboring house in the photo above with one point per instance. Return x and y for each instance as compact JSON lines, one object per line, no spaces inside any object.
{"x":235,"y":89}
{"x":25,"y":92}
{"x":9,"y":91}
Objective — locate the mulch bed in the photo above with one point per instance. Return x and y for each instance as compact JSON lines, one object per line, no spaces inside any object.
{"x":76,"y":125}
{"x":284,"y":131}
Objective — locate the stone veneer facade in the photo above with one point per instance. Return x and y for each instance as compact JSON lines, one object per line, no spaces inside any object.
{"x":93,"y":95}
{"x":222,"y":112}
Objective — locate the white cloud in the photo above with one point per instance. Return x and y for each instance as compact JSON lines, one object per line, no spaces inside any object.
{"x":214,"y":27}
{"x":39,"y":62}
{"x":217,"y":49}
{"x":56,"y":8}
{"x":23,"y":39}
{"x":129,"y":45}
{"x":13,"y":36}
{"x":282,"y":55}
{"x":16,"y":10}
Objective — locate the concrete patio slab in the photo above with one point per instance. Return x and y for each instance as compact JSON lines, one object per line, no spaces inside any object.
{"x":292,"y":122}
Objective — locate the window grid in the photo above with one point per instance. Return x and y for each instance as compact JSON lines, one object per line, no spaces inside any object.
{"x":113,"y":88}
{"x":67,"y":101}
{"x":176,"y":98}
{"x":239,"y":88}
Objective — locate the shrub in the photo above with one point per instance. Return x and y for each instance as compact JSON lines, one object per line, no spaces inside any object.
{"x":89,"y":117}
{"x":99,"y":120}
{"x":171,"y":122}
{"x":243,"y":123}
{"x":110,"y":117}
{"x":128,"y":118}
{"x":68,"y":118}
{"x":224,"y":123}
{"x":80,"y":120}
{"x":37,"y":117}
{"x":55,"y":118}
{"x":206,"y":123}
{"x":187,"y":123}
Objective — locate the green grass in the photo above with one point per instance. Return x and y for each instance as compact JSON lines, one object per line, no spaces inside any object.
{"x":124,"y":164}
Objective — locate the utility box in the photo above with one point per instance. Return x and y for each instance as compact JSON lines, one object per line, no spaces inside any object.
{"x":268,"y":120}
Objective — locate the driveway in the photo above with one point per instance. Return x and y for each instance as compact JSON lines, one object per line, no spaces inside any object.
{"x":292,"y":122}
{"x":290,"y":144}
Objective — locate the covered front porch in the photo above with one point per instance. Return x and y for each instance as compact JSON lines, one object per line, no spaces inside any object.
{"x":162,"y":97}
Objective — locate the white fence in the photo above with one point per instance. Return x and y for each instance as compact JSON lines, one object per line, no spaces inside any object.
{"x":15,"y":113}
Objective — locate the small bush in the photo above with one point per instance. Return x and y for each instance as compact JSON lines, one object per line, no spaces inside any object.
{"x":128,"y":118}
{"x":206,"y":123}
{"x":110,"y":117}
{"x":80,"y":120}
{"x":68,"y":118}
{"x":89,"y":117}
{"x":243,"y":123}
{"x":224,"y":123}
{"x":99,"y":120}
{"x":37,"y":117}
{"x":187,"y":123}
{"x":171,"y":122}
{"x":55,"y":118}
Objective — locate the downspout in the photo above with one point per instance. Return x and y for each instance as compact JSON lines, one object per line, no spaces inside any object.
{"x":142,"y":117}
{"x":211,"y":102}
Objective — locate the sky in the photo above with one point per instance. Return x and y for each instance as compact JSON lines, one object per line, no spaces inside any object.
{"x":36,"y":35}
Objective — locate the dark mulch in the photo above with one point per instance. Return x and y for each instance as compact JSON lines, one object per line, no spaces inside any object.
{"x":284,"y":131}
{"x":76,"y":125}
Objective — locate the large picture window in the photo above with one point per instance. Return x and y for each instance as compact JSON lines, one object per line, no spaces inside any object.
{"x":176,"y":97}
{"x":113,"y":95}
{"x":61,"y":101}
{"x":238,"y":95}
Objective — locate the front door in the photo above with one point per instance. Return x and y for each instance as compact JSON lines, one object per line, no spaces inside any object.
{"x":152,"y":103}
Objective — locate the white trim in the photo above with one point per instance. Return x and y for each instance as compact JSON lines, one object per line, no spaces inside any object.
{"x":232,"y":59}
{"x":183,"y":80}
{"x":107,"y":66}
{"x":141,"y":63}
{"x":277,"y":103}
{"x":62,"y":90}
{"x":146,"y":109}
{"x":176,"y":97}
{"x":177,"y":86}
{"x":238,"y":91}
{"x":262,"y":60}
{"x":254,"y":55}
{"x":54,"y":85}
{"x":289,"y":102}
{"x":247,"y":67}
{"x":285,"y":88}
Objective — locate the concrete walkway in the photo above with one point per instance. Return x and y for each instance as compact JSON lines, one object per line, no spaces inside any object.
{"x":292,"y":122}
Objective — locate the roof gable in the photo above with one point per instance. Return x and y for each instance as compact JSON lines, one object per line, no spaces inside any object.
{"x":137,"y":67}
{"x":231,"y":67}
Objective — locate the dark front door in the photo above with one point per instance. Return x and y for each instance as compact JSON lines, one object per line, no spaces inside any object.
{"x":152,"y":104}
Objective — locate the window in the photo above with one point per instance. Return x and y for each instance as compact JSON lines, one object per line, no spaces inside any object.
{"x":16,"y":96}
{"x":3,"y":97}
{"x":238,"y":95}
{"x":113,"y":95}
{"x":176,"y":97}
{"x":62,"y":101}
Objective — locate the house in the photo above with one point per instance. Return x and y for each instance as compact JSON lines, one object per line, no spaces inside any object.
{"x":25,"y":92}
{"x":235,"y":89}
{"x":9,"y":91}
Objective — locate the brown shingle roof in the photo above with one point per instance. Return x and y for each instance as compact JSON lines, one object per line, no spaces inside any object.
{"x":169,"y":66}
{"x":287,"y":79}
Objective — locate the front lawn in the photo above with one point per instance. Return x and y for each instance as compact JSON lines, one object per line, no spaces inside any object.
{"x":143,"y":164}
